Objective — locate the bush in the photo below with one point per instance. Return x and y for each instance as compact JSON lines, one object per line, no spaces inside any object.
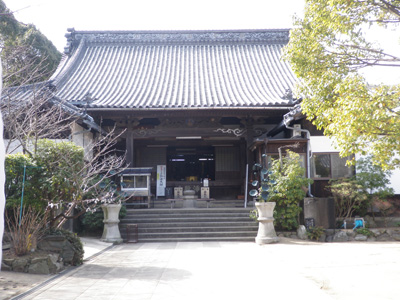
{"x":61,"y":165}
{"x":354,"y":196}
{"x":349,"y":196}
{"x":374,"y":181}
{"x":50,"y":177}
{"x":93,"y":221}
{"x":25,"y":233}
{"x":287,"y":188}
{"x":59,"y":179}
{"x":365,"y":231}
{"x":373,"y":178}
{"x":315,"y":233}
{"x":15,"y":167}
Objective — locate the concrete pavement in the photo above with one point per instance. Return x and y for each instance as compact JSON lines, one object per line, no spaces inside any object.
{"x":232,"y":270}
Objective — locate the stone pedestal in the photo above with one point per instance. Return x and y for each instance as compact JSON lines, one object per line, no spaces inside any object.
{"x":189,"y":197}
{"x":111,"y":232}
{"x":266,"y":232}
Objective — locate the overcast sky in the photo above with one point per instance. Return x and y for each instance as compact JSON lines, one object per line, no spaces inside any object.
{"x":53,"y":17}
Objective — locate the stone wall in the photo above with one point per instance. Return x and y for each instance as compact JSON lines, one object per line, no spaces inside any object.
{"x":34,"y":264}
{"x":54,"y":252}
{"x":348,"y":235}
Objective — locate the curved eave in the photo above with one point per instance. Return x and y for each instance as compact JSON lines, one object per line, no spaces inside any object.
{"x":278,"y":107}
{"x":68,"y":64}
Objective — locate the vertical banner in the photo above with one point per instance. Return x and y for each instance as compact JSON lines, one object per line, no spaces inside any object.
{"x":161,"y":180}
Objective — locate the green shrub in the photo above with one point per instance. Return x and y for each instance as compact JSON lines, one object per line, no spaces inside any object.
{"x":93,"y":221}
{"x":349,"y":196}
{"x":287,"y":188}
{"x":253,"y":214}
{"x":315,"y":233}
{"x":365,"y":231}
{"x":354,"y":196}
{"x":61,"y":164}
{"x":15,"y":167}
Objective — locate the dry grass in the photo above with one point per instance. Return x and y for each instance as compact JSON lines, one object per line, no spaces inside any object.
{"x":25,"y":233}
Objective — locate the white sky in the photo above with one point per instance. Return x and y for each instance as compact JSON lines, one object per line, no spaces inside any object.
{"x":53,"y":17}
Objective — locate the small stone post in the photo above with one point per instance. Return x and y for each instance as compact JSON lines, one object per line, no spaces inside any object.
{"x":111,"y":232}
{"x":266,"y":232}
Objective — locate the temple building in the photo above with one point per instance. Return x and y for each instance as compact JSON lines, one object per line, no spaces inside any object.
{"x":193,"y":101}
{"x":204,"y":105}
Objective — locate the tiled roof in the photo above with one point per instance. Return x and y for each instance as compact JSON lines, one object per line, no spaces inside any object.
{"x":175,"y":69}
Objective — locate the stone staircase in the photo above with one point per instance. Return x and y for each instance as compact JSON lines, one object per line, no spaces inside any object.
{"x":228,"y":203}
{"x":197,"y":224}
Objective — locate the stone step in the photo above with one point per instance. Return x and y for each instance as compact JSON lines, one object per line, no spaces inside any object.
{"x":186,"y":215}
{"x":207,"y":234}
{"x":193,"y":224}
{"x":184,"y":219}
{"x":186,"y":210}
{"x":160,"y":204}
{"x":197,"y":239}
{"x":195,"y":229}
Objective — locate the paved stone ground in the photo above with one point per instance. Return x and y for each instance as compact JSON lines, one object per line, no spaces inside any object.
{"x":291,"y":269}
{"x":14,"y":283}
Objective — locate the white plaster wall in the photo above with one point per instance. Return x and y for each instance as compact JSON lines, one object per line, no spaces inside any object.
{"x":15,"y":146}
{"x":83,"y":138}
{"x":395,"y":181}
{"x":326,"y":144}
{"x":2,"y":177}
{"x":322,"y":144}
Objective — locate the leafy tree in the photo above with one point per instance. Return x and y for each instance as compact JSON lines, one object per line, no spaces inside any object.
{"x":374,"y":181}
{"x":373,"y":178}
{"x":355,"y":195}
{"x":349,"y":196}
{"x":327,"y":50}
{"x":27,"y":55}
{"x":287,"y":188}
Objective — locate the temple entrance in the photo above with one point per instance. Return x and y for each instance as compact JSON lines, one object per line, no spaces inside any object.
{"x":190,"y":163}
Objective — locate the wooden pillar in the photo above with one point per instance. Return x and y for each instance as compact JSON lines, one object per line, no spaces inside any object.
{"x":130,"y":153}
{"x":249,"y":141}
